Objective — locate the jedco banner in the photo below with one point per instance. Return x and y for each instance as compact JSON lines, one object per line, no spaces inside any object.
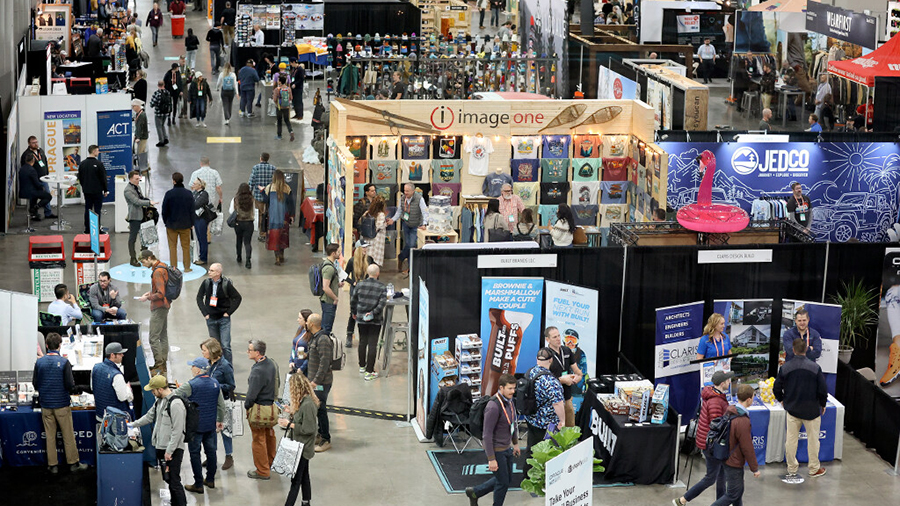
{"x":678,"y":331}
{"x":853,"y":187}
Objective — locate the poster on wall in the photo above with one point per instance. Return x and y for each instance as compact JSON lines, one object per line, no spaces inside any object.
{"x":510,"y":327}
{"x":615,"y":86}
{"x":63,"y":146}
{"x":546,"y":32}
{"x":114,"y":139}
{"x":422,"y":358}
{"x":52,"y":22}
{"x":824,"y":319}
{"x":887,"y":340}
{"x":309,"y":16}
{"x":573,"y":310}
{"x":335,"y":212}
{"x":678,"y":331}
{"x":748,"y":324}
{"x":854,"y":187}
{"x":12,"y":164}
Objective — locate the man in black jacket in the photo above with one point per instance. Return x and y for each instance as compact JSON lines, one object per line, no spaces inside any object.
{"x":178,"y":216}
{"x":30,"y":186}
{"x":40,"y":165}
{"x":321,"y":377}
{"x":800,"y":387}
{"x":92,"y":176}
{"x":174,"y":85}
{"x":218,"y":299}
{"x":95,"y":44}
{"x":216,"y":41}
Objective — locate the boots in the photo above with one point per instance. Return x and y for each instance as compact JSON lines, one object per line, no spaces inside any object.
{"x":349,"y":343}
{"x":247,"y":265}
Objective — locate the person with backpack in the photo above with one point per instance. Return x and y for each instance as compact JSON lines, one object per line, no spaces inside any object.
{"x":526,"y":229}
{"x":283,"y":99}
{"x":217,"y":300}
{"x":226,"y":86}
{"x":321,"y":356}
{"x":206,"y":393}
{"x":331,"y":285}
{"x":548,"y":410}
{"x":740,"y":449}
{"x":500,"y":441}
{"x":367,"y":307}
{"x":714,"y":404}
{"x":159,"y":310}
{"x":168,"y":416}
{"x":262,"y":414}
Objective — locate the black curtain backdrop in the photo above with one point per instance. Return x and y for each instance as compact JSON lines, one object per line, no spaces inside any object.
{"x":372,"y":17}
{"x":887,"y":104}
{"x":871,"y":414}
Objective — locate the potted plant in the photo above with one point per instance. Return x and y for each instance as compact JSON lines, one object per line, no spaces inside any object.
{"x":542,"y":452}
{"x":858,"y":315}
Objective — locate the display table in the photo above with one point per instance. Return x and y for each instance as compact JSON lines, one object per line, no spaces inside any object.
{"x":771,"y":423}
{"x":312,"y":213}
{"x":425,"y":235}
{"x":59,"y":180}
{"x":22,"y":437}
{"x":119,"y":477}
{"x":643,"y":454}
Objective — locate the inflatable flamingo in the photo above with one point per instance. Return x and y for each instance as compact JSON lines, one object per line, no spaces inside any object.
{"x":704,"y":216}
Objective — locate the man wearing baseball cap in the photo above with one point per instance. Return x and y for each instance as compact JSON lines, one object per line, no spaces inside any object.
{"x":207,"y":393}
{"x":108,"y":382}
{"x":168,"y":434}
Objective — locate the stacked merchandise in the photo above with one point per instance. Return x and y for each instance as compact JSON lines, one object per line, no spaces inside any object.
{"x":9,"y":397}
{"x":468,"y":355}
{"x":288,"y":22}
{"x":440,"y":219}
{"x":444,"y":368}
{"x":243,"y":32}
{"x":25,"y":387}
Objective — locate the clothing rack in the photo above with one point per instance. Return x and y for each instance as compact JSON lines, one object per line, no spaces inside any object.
{"x":471,"y":218}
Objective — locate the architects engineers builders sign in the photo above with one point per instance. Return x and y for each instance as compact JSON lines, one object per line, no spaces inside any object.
{"x":841,"y":24}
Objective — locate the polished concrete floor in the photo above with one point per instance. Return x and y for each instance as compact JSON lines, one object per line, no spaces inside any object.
{"x":373,"y":461}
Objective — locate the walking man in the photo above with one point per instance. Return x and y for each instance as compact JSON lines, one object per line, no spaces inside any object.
{"x":53,"y":379}
{"x":501,"y":442}
{"x":218,"y":299}
{"x":366,"y":307}
{"x":707,"y":54}
{"x":178,"y":216}
{"x":800,"y":387}
{"x":159,"y":311}
{"x":168,"y":416}
{"x":801,"y":330}
{"x":216,"y":40}
{"x":262,"y":390}
{"x":321,"y":352}
{"x":92,"y":176}
{"x":412,"y":215}
{"x":247,"y":79}
{"x":206,"y":392}
{"x":260,"y":177}
{"x":174,"y":85}
{"x":108,"y":382}
{"x":740,"y":449}
{"x":161,"y":102}
{"x":227,"y":21}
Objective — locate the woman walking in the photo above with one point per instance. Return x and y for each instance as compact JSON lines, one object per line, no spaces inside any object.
{"x":220,"y":369}
{"x":226,"y":86}
{"x":201,"y":203}
{"x":281,"y":214}
{"x":356,"y":271}
{"x":154,"y":21}
{"x":242,"y":203}
{"x":191,"y":45}
{"x":302,"y":427}
{"x":200,"y":97}
{"x":376,"y":244}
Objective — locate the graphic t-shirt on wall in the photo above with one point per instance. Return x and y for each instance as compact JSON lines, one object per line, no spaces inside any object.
{"x":613,"y":213}
{"x":587,"y":146}
{"x":525,"y":146}
{"x":548,"y":214}
{"x":493,"y":183}
{"x":613,"y":192}
{"x":447,"y":190}
{"x":415,"y":147}
{"x":357,"y":146}
{"x":554,"y":170}
{"x":585,"y":169}
{"x":524,"y":170}
{"x":616,"y":145}
{"x":615,"y":169}
{"x":556,"y":146}
{"x":383,"y":171}
{"x":383,"y":148}
{"x":585,"y":215}
{"x":528,"y":192}
{"x":388,"y":192}
{"x":360,"y":172}
{"x":413,"y":171}
{"x":554,"y":193}
{"x":446,"y":171}
{"x":585,"y":193}
{"x":479,"y":149}
{"x":447,"y":147}
{"x":424,"y":190}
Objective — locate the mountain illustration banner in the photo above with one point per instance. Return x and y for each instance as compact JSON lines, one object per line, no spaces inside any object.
{"x":853,"y":187}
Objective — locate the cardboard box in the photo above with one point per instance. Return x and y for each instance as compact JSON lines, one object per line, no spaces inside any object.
{"x":659,"y":404}
{"x":639,"y":405}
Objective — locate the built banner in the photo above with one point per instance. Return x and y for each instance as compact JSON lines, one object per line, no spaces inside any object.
{"x":573,"y":310}
{"x":853,"y":27}
{"x":114,"y":139}
{"x":826,"y":320}
{"x":678,"y":330}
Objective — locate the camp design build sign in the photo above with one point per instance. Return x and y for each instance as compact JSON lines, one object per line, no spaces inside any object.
{"x":841,"y":24}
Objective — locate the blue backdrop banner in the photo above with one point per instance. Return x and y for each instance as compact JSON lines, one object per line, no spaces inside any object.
{"x":24,"y":440}
{"x":853,"y":187}
{"x":114,"y":139}
{"x":678,"y":330}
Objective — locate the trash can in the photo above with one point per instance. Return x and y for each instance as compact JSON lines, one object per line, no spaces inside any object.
{"x":83,"y":258}
{"x":47,"y":259}
{"x":177,"y":25}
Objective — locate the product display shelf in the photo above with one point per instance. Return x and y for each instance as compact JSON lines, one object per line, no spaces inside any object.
{"x":468,"y":355}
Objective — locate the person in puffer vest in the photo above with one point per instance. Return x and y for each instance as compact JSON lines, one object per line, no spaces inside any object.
{"x":207,"y":393}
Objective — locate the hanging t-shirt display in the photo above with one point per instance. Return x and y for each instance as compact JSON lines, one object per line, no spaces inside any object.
{"x":616,"y":145}
{"x":360,"y":171}
{"x":525,"y":146}
{"x":587,"y":146}
{"x":556,"y":146}
{"x":642,"y":177}
{"x":383,"y":171}
{"x":524,"y":170}
{"x":655,"y":162}
{"x":613,"y":192}
{"x":554,"y":170}
{"x":383,"y":148}
{"x":415,"y":147}
{"x":528,"y":192}
{"x":388,"y":192}
{"x":424,"y":190}
{"x":613,"y":213}
{"x":548,"y":214}
{"x":479,"y":149}
{"x":554,"y":193}
{"x":585,"y":169}
{"x":493,"y":183}
{"x":585,"y":193}
{"x":358,"y":190}
{"x":615,"y":169}
{"x":585,"y":215}
{"x":413,"y":171}
{"x":357,"y":146}
{"x":446,"y":147}
{"x":447,"y":190}
{"x":446,"y":171}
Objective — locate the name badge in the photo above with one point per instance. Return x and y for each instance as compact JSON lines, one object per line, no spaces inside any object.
{"x":213,"y":301}
{"x":512,"y":219}
{"x":174,"y":86}
{"x":405,"y":216}
{"x":802,"y":217}
{"x":41,"y":163}
{"x":199,"y":93}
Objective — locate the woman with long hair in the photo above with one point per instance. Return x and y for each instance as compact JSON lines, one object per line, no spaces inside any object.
{"x":220,"y":369}
{"x":563,"y":231}
{"x":356,"y":272}
{"x":493,"y":220}
{"x":201,"y":201}
{"x":302,"y":427}
{"x":242,"y":203}
{"x":714,"y":342}
{"x":281,"y":215}
{"x":300,"y":344}
{"x":526,"y":226}
{"x":376,"y":244}
{"x":227,"y":86}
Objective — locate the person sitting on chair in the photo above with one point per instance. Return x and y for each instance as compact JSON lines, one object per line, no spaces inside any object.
{"x":105,"y":302}
{"x":65,"y":306}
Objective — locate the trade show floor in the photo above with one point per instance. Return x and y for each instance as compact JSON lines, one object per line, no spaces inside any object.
{"x":373,"y":461}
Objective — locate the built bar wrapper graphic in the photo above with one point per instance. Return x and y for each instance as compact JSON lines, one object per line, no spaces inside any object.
{"x":502,"y":353}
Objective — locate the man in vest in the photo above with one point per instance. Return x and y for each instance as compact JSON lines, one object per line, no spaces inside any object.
{"x":108,"y":382}
{"x":53,"y":379}
{"x":206,"y":392}
{"x":412,"y":216}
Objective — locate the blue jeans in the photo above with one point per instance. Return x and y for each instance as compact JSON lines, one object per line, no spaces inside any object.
{"x":247,"y":101}
{"x":715,"y":473}
{"x":47,"y":209}
{"x":199,"y":109}
{"x":155,"y":30}
{"x":329,"y":311}
{"x":227,"y":443}
{"x":220,"y":330}
{"x":99,"y":315}
{"x":322,"y":395}
{"x":734,"y":485}
{"x":495,"y":17}
{"x":410,"y":239}
{"x":215,"y":58}
{"x":208,"y":440}
{"x":200,"y":226}
{"x":499,"y":484}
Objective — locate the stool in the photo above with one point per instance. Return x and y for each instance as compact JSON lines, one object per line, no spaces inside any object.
{"x":386,"y":346}
{"x":400,"y":327}
{"x":747,"y":102}
{"x":26,"y":204}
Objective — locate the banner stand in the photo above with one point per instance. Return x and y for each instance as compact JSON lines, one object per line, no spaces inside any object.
{"x":676,"y":483}
{"x":895,"y":471}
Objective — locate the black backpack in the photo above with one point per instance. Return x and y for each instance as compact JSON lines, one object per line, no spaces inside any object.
{"x":164,"y":106}
{"x":476,"y":415}
{"x":718,"y":439}
{"x":367,"y":227}
{"x":526,"y":398}
{"x":191,"y":419}
{"x":690,"y":434}
{"x":173,"y":282}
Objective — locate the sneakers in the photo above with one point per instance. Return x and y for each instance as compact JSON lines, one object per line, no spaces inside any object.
{"x":473,"y":499}
{"x":241,"y":113}
{"x":362,"y":370}
{"x":229,"y":463}
{"x":820,"y":472}
{"x":893,"y":368}
{"x":277,"y":137}
{"x":227,"y":121}
{"x":253,"y":475}
{"x":349,"y":342}
{"x":677,"y":502}
{"x":78,"y":466}
{"x":53,"y":469}
{"x":203,"y":124}
{"x":194,"y":488}
{"x":318,"y":440}
{"x":292,"y":136}
{"x":324,"y":447}
{"x":371,"y":376}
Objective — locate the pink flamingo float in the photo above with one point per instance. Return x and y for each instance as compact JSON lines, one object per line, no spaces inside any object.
{"x":704,"y":216}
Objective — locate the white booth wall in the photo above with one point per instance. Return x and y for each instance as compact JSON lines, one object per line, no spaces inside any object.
{"x":18,"y":330}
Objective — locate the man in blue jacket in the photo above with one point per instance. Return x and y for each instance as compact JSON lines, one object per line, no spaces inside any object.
{"x":178,"y":216}
{"x":53,"y":379}
{"x":801,"y":330}
{"x":247,"y":79}
{"x":207,"y":393}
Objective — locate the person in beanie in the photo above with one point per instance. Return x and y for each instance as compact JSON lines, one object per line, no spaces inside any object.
{"x":741,"y":451}
{"x":168,"y":416}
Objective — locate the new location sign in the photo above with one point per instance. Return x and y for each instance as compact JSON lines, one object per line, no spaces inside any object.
{"x":841,"y":24}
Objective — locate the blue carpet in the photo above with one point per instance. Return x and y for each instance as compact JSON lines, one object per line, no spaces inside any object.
{"x":127,"y":273}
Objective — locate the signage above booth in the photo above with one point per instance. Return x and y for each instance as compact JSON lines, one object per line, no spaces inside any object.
{"x":841,"y":24}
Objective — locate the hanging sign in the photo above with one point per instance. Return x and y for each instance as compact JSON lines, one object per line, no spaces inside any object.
{"x":841,"y":24}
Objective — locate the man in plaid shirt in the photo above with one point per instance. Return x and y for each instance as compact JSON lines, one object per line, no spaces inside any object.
{"x":260,"y":177}
{"x":366,"y":307}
